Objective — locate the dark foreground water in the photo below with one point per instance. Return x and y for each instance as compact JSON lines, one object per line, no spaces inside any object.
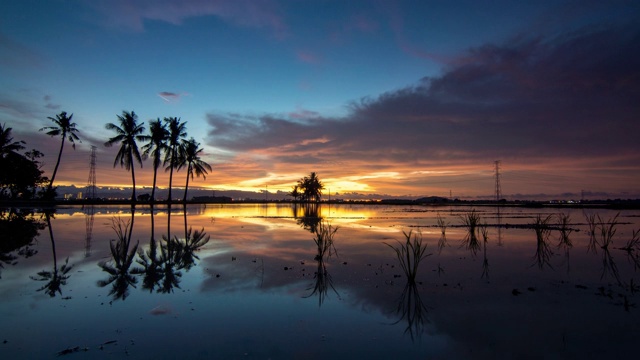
{"x":76,"y":283}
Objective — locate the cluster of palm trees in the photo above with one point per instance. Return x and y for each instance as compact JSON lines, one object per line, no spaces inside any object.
{"x":166,"y":138}
{"x":309,"y":189}
{"x":166,"y":144}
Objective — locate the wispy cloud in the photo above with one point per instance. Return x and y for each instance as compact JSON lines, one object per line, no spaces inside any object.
{"x":308,"y":57}
{"x":169,"y":97}
{"x":16,"y":55}
{"x":131,"y":15}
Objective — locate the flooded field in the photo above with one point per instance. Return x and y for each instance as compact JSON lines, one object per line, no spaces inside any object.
{"x":294,"y":282}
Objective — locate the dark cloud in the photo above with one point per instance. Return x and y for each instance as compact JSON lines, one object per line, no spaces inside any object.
{"x":568,"y":95}
{"x":168,"y":96}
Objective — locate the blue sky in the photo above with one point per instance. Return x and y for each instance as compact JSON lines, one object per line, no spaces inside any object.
{"x":381,"y":97}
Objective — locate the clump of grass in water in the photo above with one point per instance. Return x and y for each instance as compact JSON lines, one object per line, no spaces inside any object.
{"x":563,"y":222}
{"x":591,"y":222}
{"x":442,"y":224}
{"x":543,"y":251}
{"x":632,"y":248}
{"x":324,"y":240}
{"x":410,"y":254}
{"x":471,"y":221}
{"x":485,"y":237}
{"x":607,"y":231}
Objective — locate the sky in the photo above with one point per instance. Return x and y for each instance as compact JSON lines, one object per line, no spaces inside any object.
{"x":382,"y":98}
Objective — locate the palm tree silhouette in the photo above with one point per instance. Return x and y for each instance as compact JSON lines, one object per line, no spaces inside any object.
{"x":156,"y":146}
{"x":7,"y":145}
{"x":189,"y":157}
{"x":66,"y":130}
{"x":128,"y":133}
{"x":177,"y":132}
{"x":311,"y":187}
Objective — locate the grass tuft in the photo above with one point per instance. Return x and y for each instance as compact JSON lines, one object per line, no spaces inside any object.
{"x":410,"y":254}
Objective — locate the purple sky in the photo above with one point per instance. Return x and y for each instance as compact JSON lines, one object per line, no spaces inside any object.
{"x":378,"y":97}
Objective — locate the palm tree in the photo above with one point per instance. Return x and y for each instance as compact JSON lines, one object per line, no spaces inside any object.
{"x":66,"y":130}
{"x":189,"y":157}
{"x":7,"y":145}
{"x":156,"y":146}
{"x":311,"y":187}
{"x":128,"y":133}
{"x":295,"y":192}
{"x":177,"y":132}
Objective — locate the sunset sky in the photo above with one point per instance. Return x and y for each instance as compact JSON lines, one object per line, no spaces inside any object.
{"x":397,"y":98}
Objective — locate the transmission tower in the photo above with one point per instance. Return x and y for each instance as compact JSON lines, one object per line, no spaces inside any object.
{"x":498,"y":188}
{"x":91,"y":184}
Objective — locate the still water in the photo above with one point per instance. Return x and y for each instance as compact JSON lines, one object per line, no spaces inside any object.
{"x":253,"y":282}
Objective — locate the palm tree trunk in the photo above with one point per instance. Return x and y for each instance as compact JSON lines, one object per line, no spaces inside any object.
{"x":186,"y":187}
{"x":133,"y":178}
{"x":172,"y":163}
{"x":153,"y":190}
{"x":55,"y":169}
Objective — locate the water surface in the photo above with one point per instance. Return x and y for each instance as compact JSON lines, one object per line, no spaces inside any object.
{"x":258,"y":288}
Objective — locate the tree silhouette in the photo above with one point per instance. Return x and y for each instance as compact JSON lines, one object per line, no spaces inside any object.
{"x":155,"y":147}
{"x":7,"y":145}
{"x":189,"y":157}
{"x":295,"y":193}
{"x":177,"y":132}
{"x":66,"y":130}
{"x":128,"y":133}
{"x":311,"y":187}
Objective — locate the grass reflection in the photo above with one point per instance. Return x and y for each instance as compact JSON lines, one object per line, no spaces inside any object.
{"x":325,"y":249}
{"x":543,"y":253}
{"x":412,"y":310}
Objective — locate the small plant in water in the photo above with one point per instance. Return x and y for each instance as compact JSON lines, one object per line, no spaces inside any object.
{"x":591,"y":223}
{"x":471,"y":221}
{"x":324,"y":240}
{"x":543,"y":251}
{"x":607,"y":230}
{"x":410,"y":254}
{"x":442,"y":224}
{"x":563,"y":222}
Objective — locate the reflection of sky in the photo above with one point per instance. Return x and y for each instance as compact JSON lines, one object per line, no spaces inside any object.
{"x":242,"y":300}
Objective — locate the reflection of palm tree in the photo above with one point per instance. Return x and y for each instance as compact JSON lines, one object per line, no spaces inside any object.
{"x":128,"y":133}
{"x":150,"y":261}
{"x":58,"y":277}
{"x":122,"y":256}
{"x":311,"y":217}
{"x":155,"y":147}
{"x":163,"y":268}
{"x":66,"y":130}
{"x":177,"y":132}
{"x":189,"y":157}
